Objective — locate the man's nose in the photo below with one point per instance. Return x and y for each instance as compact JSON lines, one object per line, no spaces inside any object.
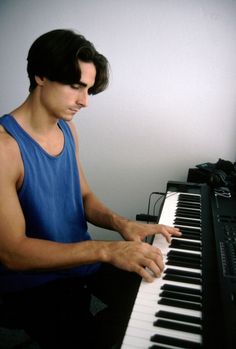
{"x":83,"y":99}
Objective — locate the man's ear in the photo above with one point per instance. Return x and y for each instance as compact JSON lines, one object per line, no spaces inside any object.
{"x":39,"y":80}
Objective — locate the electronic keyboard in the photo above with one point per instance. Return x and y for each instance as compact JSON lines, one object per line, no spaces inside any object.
{"x":193,"y":303}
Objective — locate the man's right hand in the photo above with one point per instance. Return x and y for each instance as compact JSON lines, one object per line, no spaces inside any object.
{"x":138,"y":257}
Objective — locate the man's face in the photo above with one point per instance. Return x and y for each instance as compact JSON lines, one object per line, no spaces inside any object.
{"x":64,"y":101}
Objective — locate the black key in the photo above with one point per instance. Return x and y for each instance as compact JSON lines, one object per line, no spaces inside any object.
{"x":179,"y":258}
{"x":181,"y":296}
{"x":177,"y":263}
{"x":183,"y":272}
{"x":157,"y":347}
{"x":190,"y":236}
{"x":181,"y":205}
{"x":178,"y":317}
{"x":181,"y":289}
{"x":184,"y":256}
{"x":184,"y":261}
{"x":187,"y":255}
{"x":180,"y":278}
{"x":181,"y":343}
{"x":190,"y":215}
{"x":191,"y":230}
{"x":180,"y":304}
{"x":185,"y":245}
{"x":188,"y":205}
{"x":177,"y":326}
{"x":188,"y":222}
{"x":180,"y":212}
{"x":185,"y":197}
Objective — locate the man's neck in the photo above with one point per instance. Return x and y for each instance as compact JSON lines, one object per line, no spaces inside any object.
{"x":42,"y":128}
{"x":31,"y":116}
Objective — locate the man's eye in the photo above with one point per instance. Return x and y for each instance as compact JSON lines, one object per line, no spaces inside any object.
{"x":75,"y":86}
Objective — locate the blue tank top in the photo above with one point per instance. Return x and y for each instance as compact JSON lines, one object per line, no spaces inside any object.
{"x":51,"y":200}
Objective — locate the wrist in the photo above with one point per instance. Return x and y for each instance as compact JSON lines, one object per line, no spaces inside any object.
{"x":107,"y":251}
{"x":120,"y":223}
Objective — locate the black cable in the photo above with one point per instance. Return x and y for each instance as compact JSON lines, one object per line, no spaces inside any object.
{"x":154,"y":206}
{"x":149,"y":201}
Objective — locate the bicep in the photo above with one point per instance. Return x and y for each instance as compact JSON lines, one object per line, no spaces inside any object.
{"x":12,"y":223}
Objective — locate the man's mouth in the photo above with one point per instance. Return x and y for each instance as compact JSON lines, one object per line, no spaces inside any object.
{"x":74,"y":110}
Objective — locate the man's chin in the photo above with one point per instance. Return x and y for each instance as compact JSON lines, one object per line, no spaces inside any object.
{"x":67,"y":117}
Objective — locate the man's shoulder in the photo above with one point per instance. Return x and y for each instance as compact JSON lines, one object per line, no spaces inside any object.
{"x":9,"y":149}
{"x":6,"y":139}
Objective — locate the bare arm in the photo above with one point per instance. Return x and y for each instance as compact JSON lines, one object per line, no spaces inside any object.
{"x":17,"y":251}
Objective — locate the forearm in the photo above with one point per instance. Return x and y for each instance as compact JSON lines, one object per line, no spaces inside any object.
{"x":37,"y":254}
{"x":98,"y":214}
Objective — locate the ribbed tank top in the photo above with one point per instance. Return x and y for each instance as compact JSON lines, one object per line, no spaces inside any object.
{"x":51,"y":201}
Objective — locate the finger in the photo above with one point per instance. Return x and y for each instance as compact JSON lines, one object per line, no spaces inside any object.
{"x":167,"y":235}
{"x":153,"y":266}
{"x":157,"y":252}
{"x":175,"y":231}
{"x":169,"y":231}
{"x":156,"y":266}
{"x":147,"y":274}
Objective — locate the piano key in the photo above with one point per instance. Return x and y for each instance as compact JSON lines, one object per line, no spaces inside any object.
{"x":189,"y":236}
{"x":178,"y":317}
{"x":179,"y":295}
{"x":181,"y":343}
{"x":174,"y":261}
{"x":187,"y":222}
{"x":190,"y":266}
{"x":181,"y":278}
{"x":184,"y":244}
{"x":187,"y":197}
{"x":189,"y":205}
{"x":161,"y":347}
{"x":147,"y":312}
{"x":183,"y":272}
{"x":192,"y":231}
{"x":180,"y":304}
{"x":179,"y":289}
{"x":186,"y":259}
{"x":169,"y":262}
{"x":182,"y":226}
{"x":190,"y":255}
{"x":174,"y":325}
{"x":180,"y":212}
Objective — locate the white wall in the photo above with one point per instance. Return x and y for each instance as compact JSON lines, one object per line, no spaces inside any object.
{"x":171,"y":101}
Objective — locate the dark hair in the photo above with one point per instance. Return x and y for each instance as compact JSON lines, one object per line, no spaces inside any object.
{"x":55,"y":55}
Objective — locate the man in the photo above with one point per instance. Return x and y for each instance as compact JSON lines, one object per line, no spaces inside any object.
{"x":50,"y":266}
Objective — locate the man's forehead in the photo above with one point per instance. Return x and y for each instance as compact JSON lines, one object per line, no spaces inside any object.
{"x":88,"y":72}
